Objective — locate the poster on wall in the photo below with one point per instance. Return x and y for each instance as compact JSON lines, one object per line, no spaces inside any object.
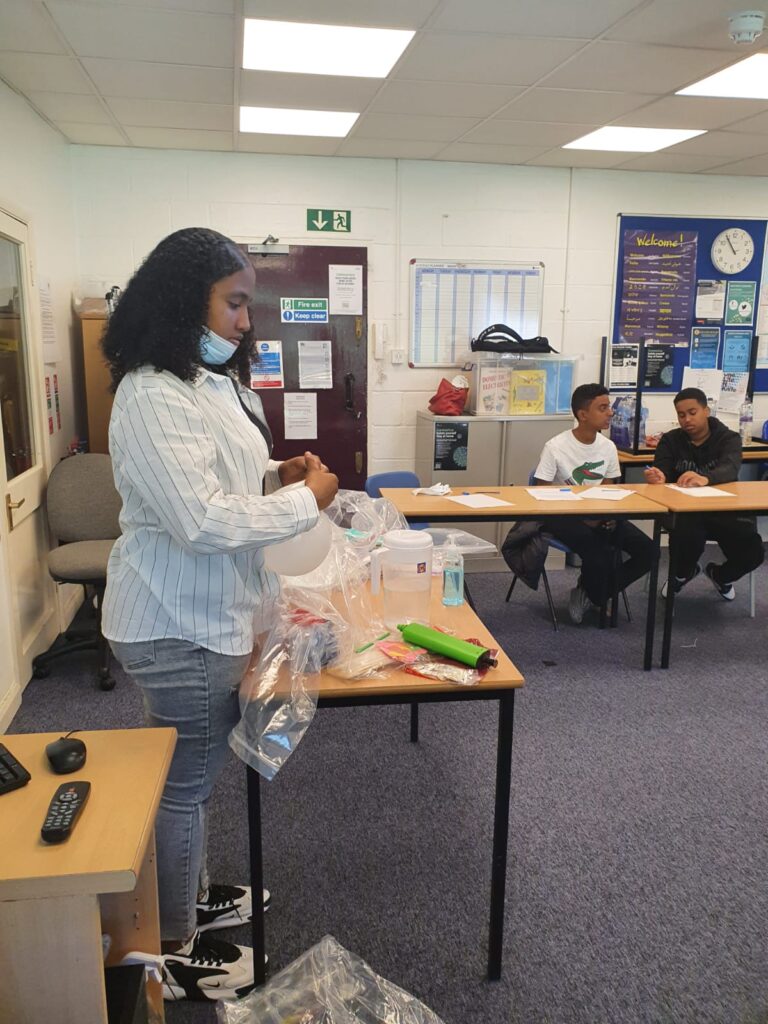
{"x":737,"y":347}
{"x":705,"y":348}
{"x":710,"y":300}
{"x":658,"y":284}
{"x":733,"y":392}
{"x":624,"y":362}
{"x":451,"y":444}
{"x":740,"y":302}
{"x":659,"y":366}
{"x":267,"y":371}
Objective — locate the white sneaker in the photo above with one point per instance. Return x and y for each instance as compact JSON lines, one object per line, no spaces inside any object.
{"x":578,"y":604}
{"x":207,"y":969}
{"x":680,"y":582}
{"x":226,"y":906}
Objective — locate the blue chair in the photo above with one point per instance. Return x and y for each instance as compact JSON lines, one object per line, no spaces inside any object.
{"x":553,"y":542}
{"x":396,"y":478}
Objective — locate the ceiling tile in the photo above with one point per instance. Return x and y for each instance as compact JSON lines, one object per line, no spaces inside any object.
{"x":30,"y":72}
{"x":582,"y":107}
{"x":472,"y":58}
{"x":25,"y":27}
{"x":173,"y":114}
{"x":469,"y":153}
{"x":702,"y":23}
{"x":312,"y":92}
{"x":690,"y":112}
{"x":65,"y":106}
{"x":527,"y":133}
{"x":177,"y":138}
{"x":756,"y":125}
{"x":461,"y":99}
{"x":92,"y":134}
{"x":298,"y":145}
{"x":365,"y":13}
{"x":636,"y":68}
{"x":160,"y":81}
{"x":211,"y":6}
{"x":417,"y":127}
{"x":577,"y":158}
{"x":523,"y":18}
{"x":756,"y":165}
{"x":729,"y":145}
{"x":122,"y":33}
{"x":667,"y":161}
{"x":405,"y":149}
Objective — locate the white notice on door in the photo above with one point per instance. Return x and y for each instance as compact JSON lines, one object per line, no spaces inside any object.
{"x":345,"y":289}
{"x":315,"y":365}
{"x":300,"y":416}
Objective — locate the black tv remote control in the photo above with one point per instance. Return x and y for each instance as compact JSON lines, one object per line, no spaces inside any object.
{"x":64,"y":810}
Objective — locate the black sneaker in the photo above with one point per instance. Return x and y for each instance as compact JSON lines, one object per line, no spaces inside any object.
{"x":680,"y":581}
{"x":207,"y":969}
{"x":226,"y":906}
{"x":725,"y":590}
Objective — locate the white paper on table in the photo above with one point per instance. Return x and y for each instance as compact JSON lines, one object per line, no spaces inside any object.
{"x":477,"y":500}
{"x":605,"y":493}
{"x":315,"y":365}
{"x":702,"y":492}
{"x":300,"y":413}
{"x":552,"y":494}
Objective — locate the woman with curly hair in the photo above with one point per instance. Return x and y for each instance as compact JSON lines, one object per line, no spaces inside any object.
{"x":187,"y":589}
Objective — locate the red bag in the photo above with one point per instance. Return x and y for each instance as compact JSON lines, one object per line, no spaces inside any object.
{"x":449,"y":400}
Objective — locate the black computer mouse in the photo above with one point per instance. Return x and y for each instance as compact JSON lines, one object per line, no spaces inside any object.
{"x":66,"y":754}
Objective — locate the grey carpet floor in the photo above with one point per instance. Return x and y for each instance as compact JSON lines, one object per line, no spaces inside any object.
{"x":638,"y":835}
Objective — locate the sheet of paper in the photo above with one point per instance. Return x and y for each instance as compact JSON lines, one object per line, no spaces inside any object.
{"x":267,"y":371}
{"x":345,"y":289}
{"x":733,"y":393}
{"x":477,"y":500}
{"x":300,"y":413}
{"x":701,"y":492}
{"x":708,"y":381}
{"x":315,"y":365}
{"x":551,"y":494}
{"x":605,"y":494}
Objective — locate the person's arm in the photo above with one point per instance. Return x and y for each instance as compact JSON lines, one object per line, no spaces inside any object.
{"x":613,"y":469}
{"x":663,"y":463}
{"x":546,"y":471}
{"x":728,"y":464}
{"x":162,"y":448}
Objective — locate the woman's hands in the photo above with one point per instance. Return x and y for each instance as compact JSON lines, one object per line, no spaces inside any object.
{"x":293,"y":470}
{"x":320,"y":481}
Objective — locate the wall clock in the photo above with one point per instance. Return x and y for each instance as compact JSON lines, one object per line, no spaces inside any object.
{"x":732,"y":250}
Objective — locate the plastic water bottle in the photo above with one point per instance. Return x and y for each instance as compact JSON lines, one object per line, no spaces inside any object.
{"x":453,"y":575}
{"x":745,"y":422}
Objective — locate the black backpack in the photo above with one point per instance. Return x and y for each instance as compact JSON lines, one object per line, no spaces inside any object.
{"x":501,"y":338}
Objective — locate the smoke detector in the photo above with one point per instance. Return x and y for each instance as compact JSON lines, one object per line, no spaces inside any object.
{"x":746,"y":27}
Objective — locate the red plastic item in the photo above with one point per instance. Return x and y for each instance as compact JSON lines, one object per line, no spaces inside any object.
{"x":448,"y":400}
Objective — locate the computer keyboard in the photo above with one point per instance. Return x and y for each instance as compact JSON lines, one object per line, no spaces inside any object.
{"x":12,"y":774}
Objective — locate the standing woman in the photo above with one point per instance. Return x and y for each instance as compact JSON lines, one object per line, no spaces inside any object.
{"x":187,"y":590}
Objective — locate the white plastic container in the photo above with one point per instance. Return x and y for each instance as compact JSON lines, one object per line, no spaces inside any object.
{"x":404,"y":566}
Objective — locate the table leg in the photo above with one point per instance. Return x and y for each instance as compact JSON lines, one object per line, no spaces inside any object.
{"x":653,"y":584}
{"x":414,"y":721}
{"x":257,"y":873}
{"x":617,"y":560}
{"x":666,"y":643}
{"x":500,"y":833}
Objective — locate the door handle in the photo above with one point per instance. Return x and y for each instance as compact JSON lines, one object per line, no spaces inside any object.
{"x":349,"y":399}
{"x":10,"y":506}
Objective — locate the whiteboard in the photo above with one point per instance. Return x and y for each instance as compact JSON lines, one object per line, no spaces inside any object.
{"x":452,"y":301}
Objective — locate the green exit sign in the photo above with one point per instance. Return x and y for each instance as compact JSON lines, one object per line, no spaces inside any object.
{"x":329,"y":220}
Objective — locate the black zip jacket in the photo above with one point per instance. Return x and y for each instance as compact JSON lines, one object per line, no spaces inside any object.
{"x":718,"y":459}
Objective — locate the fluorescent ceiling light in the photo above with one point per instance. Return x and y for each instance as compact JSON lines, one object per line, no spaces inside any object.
{"x":633,"y":140}
{"x":280,"y":121}
{"x":322,"y":49}
{"x":746,"y":80}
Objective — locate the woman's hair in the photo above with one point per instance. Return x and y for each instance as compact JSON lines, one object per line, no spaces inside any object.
{"x":160,"y":316}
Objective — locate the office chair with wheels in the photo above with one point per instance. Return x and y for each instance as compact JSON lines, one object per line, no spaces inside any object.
{"x":553,"y":542}
{"x":83,"y":509}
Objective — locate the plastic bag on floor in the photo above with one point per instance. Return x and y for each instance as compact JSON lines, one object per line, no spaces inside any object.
{"x":327,"y":985}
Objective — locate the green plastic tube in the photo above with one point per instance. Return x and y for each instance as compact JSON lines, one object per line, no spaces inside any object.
{"x":450,"y":646}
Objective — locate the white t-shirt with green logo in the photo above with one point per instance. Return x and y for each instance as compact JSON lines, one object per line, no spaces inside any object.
{"x":565,"y":460}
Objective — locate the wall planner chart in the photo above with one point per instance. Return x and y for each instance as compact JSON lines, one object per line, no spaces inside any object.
{"x":452,"y":301}
{"x":690,"y":288}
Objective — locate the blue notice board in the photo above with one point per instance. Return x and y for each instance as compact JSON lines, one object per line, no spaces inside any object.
{"x":660,"y":262}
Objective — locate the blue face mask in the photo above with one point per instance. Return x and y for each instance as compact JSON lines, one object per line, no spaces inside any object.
{"x":214,"y":349}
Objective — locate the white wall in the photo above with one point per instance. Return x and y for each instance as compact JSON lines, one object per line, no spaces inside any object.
{"x":36,"y":185}
{"x":127,"y":200}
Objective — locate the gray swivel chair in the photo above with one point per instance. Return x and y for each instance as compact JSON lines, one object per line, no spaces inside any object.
{"x":83,"y":508}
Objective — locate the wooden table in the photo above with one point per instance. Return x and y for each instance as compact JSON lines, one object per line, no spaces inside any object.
{"x":399,"y":687}
{"x":56,"y":901}
{"x":747,"y":496}
{"x":418,"y":508}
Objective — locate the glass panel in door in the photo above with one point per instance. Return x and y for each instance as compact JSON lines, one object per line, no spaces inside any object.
{"x":14,"y":376}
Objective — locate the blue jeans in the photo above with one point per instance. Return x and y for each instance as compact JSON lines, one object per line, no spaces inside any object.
{"x":195,"y":691}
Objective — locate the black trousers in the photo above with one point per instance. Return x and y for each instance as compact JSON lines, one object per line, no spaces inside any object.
{"x":596,"y":546}
{"x":736,"y":534}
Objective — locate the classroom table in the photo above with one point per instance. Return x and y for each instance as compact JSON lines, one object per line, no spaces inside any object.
{"x":756,"y":451}
{"x":420,"y":508}
{"x":747,"y":496}
{"x":57,"y":901}
{"x":398,"y":687}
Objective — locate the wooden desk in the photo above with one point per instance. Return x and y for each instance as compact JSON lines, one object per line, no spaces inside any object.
{"x":749,"y":453}
{"x":747,"y":496}
{"x":55,"y":901}
{"x":401,"y":688}
{"x":423,"y":508}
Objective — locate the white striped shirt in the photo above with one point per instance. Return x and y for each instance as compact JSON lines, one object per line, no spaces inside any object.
{"x":189,"y":466}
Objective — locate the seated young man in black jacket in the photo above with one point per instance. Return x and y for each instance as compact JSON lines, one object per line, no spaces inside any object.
{"x":704,"y":451}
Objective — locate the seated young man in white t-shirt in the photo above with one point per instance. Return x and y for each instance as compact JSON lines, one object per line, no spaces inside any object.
{"x":583,"y":456}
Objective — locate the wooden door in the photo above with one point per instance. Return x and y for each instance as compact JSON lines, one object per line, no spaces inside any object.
{"x":342,"y":408}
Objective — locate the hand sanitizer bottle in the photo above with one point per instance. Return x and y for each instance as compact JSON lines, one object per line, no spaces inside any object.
{"x":453,"y":575}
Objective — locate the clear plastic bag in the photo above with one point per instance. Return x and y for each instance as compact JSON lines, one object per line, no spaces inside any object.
{"x":327,"y":985}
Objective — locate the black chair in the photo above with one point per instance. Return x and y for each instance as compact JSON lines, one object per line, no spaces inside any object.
{"x":83,"y":509}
